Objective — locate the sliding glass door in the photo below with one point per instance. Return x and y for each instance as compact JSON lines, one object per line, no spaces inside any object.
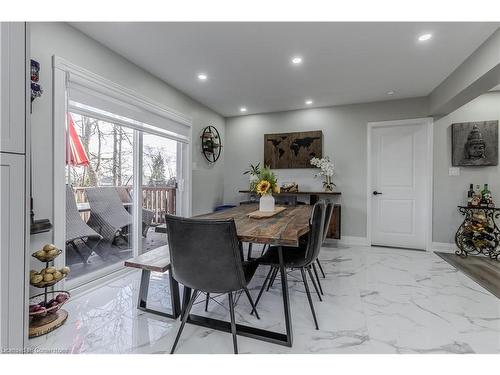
{"x":107,"y":220}
{"x":100,"y":173}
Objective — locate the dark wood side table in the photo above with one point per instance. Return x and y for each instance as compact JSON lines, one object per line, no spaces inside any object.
{"x":334,"y":231}
{"x":478,"y":233}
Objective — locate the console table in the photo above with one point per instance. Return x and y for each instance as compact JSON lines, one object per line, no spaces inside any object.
{"x":314,"y":196}
{"x":478,"y":233}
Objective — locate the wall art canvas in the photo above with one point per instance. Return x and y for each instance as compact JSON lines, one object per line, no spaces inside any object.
{"x":292,"y":150}
{"x":475,"y":143}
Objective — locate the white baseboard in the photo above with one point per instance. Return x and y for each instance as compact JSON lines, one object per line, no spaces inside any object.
{"x":349,"y":241}
{"x":444,"y":247}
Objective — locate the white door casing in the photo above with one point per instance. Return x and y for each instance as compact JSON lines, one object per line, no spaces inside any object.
{"x":400,"y":171}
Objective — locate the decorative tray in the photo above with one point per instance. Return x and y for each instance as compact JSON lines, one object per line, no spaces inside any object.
{"x":40,"y":308}
{"x":47,"y":256}
{"x":42,"y":280}
{"x":265,"y":214}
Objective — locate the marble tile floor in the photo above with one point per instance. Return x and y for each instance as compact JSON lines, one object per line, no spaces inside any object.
{"x":377,"y":300}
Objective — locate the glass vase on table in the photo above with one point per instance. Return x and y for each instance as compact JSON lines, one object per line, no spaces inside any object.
{"x":266,"y":203}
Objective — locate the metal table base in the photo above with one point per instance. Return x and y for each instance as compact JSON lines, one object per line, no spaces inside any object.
{"x":174,"y":296}
{"x":285,"y":339}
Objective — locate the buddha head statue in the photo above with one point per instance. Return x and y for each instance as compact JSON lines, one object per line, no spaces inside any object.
{"x":475,"y":146}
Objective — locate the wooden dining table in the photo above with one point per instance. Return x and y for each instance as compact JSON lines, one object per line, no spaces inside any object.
{"x":283,"y":229}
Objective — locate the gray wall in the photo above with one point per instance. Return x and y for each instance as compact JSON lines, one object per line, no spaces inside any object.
{"x":60,"y":39}
{"x":451,"y":190}
{"x":344,"y":132}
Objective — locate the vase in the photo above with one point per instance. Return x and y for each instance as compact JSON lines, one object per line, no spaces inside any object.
{"x":328,"y":185}
{"x":266,"y":203}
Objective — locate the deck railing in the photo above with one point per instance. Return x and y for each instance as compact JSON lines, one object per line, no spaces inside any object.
{"x":160,"y":199}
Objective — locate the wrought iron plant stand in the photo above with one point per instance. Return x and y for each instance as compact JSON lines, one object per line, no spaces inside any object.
{"x":478,"y":233}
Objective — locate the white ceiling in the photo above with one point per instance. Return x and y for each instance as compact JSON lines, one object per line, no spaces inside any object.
{"x":248,"y":64}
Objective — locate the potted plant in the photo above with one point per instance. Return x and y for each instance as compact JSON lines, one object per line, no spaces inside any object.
{"x":264,"y":183}
{"x":253,"y":174}
{"x":327,"y":169}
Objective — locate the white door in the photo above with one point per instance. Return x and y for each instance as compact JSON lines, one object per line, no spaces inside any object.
{"x":399,"y":184}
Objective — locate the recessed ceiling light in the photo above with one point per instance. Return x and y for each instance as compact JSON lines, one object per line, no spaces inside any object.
{"x":202,"y":77}
{"x":243,"y":109}
{"x":296,"y":60}
{"x":391,"y":92}
{"x":424,"y":37}
{"x":309,"y":102}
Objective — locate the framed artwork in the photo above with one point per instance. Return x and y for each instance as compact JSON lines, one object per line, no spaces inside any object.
{"x":474,"y":143}
{"x":292,"y":150}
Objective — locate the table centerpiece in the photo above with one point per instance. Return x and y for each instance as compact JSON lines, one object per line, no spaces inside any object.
{"x":264,"y":183}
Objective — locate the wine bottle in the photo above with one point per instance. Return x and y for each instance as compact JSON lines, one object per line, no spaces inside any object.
{"x":470,"y":195}
{"x":485,"y":196}
{"x":476,"y":199}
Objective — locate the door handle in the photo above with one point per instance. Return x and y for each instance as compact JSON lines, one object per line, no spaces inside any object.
{"x":376,"y":193}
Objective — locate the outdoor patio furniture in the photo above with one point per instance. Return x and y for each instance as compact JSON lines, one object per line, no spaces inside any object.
{"x":147,"y":215}
{"x":77,"y":229}
{"x":107,"y":214}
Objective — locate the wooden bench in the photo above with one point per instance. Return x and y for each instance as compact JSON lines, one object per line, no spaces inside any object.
{"x":157,"y":260}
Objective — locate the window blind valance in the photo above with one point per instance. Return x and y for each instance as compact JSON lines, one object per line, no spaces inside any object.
{"x":114,"y":104}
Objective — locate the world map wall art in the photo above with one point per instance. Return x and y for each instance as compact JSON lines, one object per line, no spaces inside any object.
{"x":292,"y":150}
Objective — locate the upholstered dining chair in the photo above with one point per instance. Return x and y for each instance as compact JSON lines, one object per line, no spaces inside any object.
{"x":299,"y":258}
{"x":205,"y":256}
{"x":328,"y":218}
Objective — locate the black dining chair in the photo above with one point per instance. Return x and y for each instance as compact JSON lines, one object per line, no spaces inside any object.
{"x":205,"y":256}
{"x":301,"y":258}
{"x":328,"y":218}
{"x":303,"y":242}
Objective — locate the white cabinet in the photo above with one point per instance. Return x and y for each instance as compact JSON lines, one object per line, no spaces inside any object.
{"x":14,"y":100}
{"x":13,"y":84}
{"x":12,"y":250}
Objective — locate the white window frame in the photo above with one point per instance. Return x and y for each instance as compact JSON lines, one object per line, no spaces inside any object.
{"x":61,"y":71}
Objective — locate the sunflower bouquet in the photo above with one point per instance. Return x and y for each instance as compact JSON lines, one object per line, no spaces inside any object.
{"x":262,"y":180}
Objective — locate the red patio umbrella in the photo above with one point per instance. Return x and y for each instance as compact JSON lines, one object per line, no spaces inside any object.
{"x":76,"y":155}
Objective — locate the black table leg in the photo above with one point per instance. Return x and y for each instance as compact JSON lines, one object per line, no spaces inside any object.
{"x":248,"y":331}
{"x":186,"y":296}
{"x":143,"y":289}
{"x":286,"y":298}
{"x":174,"y":296}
